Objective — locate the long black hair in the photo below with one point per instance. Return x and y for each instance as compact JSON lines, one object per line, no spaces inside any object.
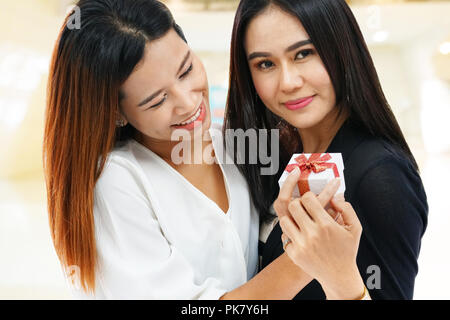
{"x":339,"y":42}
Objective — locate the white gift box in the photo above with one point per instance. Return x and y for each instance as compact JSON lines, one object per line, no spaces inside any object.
{"x":317,"y":169}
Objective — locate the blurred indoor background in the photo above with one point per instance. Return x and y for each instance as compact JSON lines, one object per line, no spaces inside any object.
{"x":409,"y":41}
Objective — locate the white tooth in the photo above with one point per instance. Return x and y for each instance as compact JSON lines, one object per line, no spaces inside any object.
{"x":193,"y":118}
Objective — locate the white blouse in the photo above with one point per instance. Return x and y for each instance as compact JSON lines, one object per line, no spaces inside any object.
{"x":159,"y":237}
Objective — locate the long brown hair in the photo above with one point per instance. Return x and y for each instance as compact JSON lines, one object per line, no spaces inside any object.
{"x":88,"y":66}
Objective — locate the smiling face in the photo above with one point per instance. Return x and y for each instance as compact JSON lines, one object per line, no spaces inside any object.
{"x":287,"y":71}
{"x":168,"y":90}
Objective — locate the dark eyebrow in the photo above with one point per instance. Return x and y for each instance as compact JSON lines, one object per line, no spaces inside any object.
{"x":296,"y":45}
{"x":299,"y":44}
{"x":254,"y":55}
{"x":150,"y":98}
{"x":186,"y":57}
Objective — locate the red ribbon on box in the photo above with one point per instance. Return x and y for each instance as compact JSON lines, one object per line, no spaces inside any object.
{"x":315,"y":164}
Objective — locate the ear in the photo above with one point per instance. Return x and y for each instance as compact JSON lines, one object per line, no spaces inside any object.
{"x":121,"y":121}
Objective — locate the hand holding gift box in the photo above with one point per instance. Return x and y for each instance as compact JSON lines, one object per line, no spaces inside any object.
{"x":317,"y":169}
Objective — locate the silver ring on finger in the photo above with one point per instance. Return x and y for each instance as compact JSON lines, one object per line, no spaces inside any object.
{"x":286,"y":242}
{"x":337,"y":216}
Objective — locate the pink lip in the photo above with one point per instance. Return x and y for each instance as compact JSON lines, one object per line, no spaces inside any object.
{"x":299,"y":104}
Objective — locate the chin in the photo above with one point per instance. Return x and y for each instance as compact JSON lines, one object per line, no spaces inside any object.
{"x":304,"y":122}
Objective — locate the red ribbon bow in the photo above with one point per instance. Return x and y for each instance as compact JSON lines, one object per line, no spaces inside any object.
{"x":316,"y":163}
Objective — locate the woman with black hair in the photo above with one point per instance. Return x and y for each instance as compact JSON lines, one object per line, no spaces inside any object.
{"x":303,"y":67}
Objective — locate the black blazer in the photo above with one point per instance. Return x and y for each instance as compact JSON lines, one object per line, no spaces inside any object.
{"x":388,"y":196}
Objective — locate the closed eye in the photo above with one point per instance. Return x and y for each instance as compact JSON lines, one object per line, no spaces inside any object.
{"x":159,"y":103}
{"x":182,"y":76}
{"x":187,"y":71}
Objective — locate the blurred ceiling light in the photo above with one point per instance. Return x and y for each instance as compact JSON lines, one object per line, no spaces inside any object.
{"x":21,"y":72}
{"x":380,"y":36}
{"x":441,"y":61}
{"x":434,"y":115}
{"x":445,"y":48}
{"x":15,"y":110}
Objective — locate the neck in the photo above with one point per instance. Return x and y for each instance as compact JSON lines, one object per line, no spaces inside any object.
{"x":194,"y":149}
{"x":318,"y":138}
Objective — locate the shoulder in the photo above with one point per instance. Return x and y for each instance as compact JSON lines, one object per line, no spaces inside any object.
{"x":120,"y":189}
{"x":372,"y":150}
{"x":378,"y":167}
{"x":380,"y":170}
{"x":385,"y":188}
{"x":121,"y":169}
{"x":373,"y":153}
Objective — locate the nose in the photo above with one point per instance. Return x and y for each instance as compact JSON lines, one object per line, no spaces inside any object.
{"x":184,"y":101}
{"x":290,"y":79}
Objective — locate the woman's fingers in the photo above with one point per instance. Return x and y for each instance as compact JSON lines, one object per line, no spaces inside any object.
{"x":328,"y":192}
{"x":290,"y":229}
{"x":283,"y":237}
{"x":284,"y":197}
{"x":314,"y":208}
{"x":349,"y":216}
{"x":285,"y":241}
{"x":336,"y":215}
{"x":301,"y":218}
